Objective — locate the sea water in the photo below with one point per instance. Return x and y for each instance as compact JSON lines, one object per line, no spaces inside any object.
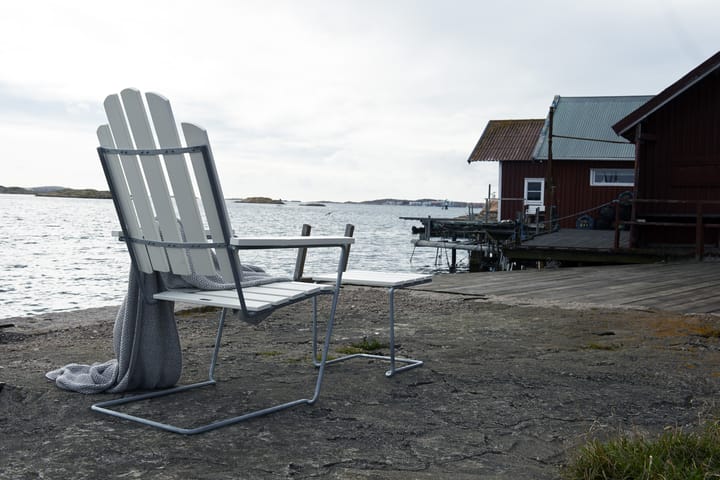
{"x":58,"y":254}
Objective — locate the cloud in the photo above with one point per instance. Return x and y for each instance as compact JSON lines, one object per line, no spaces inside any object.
{"x":322,"y":99}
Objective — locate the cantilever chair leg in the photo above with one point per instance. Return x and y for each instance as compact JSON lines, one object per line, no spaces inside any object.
{"x":409,"y":362}
{"x":104,"y":407}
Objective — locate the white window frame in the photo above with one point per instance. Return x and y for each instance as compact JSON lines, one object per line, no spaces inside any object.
{"x":542,"y":192}
{"x":610,"y":172}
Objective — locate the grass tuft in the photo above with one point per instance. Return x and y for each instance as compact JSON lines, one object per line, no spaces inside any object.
{"x":603,"y":346}
{"x":195,"y":311}
{"x":675,"y":455}
{"x":365,"y":346}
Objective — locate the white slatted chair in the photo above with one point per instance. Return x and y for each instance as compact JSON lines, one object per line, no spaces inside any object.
{"x":173,"y":218}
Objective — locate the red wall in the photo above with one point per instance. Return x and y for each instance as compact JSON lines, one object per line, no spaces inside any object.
{"x":679,"y":158}
{"x":573,"y":193}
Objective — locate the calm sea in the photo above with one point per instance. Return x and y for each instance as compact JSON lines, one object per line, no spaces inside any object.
{"x":58,"y":254}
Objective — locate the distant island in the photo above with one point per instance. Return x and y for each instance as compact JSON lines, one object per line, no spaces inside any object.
{"x":423,"y":202}
{"x":55,"y":191}
{"x":58,"y":192}
{"x":265,"y":200}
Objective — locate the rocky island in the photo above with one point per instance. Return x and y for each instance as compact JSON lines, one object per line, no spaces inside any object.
{"x":266,"y":200}
{"x":57,"y":192}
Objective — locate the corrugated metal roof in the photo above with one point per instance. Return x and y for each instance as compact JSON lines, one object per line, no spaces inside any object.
{"x":505,"y":140}
{"x":589,"y":118}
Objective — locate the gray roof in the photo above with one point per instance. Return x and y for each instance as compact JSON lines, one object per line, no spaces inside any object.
{"x":590,"y":121}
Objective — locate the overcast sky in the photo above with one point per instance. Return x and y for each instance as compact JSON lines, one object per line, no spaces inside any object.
{"x":327,"y":99}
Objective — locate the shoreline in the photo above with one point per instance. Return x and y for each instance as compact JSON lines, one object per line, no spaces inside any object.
{"x":60,"y":320}
{"x":507,"y":391}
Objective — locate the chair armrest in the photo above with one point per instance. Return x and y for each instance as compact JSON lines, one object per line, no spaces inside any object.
{"x":290,"y":242}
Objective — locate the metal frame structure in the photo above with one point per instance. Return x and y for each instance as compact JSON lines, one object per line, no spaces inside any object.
{"x":369,"y":279}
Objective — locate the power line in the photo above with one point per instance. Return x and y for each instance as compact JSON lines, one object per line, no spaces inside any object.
{"x":592,"y":139}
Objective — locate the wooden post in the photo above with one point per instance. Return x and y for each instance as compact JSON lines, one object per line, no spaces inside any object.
{"x":699,"y":233}
{"x":475,"y":260}
{"x":487,"y":205}
{"x":616,"y":243}
{"x":302,"y":255}
{"x":349,"y":230}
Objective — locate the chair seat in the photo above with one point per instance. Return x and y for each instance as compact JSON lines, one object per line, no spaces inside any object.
{"x":257,"y":299}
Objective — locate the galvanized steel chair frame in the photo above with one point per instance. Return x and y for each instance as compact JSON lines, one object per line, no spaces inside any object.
{"x":174,"y":252}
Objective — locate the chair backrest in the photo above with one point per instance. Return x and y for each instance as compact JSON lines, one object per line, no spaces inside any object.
{"x":169,"y":202}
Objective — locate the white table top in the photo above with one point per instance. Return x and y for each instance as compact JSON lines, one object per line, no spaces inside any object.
{"x":376,"y":279}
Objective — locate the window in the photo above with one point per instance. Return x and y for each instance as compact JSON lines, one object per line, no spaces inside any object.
{"x":612,"y":177}
{"x":534,"y":189}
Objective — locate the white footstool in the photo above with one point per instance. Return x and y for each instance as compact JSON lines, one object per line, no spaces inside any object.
{"x":391,"y":281}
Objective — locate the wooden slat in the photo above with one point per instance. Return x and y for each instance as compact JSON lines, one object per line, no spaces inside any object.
{"x":122,"y":196}
{"x":252,"y":295}
{"x":155,"y":177}
{"x":290,"y":242}
{"x":211,"y":298}
{"x":135,"y":180}
{"x":280,"y":290}
{"x":262,"y":297}
{"x":293,"y":290}
{"x":196,"y":136}
{"x":182,"y":186}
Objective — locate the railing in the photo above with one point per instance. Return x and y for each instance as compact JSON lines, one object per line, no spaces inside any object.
{"x":696,"y":217}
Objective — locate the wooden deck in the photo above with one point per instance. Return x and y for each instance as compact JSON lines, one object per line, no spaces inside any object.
{"x":580,"y":239}
{"x":686,"y":287}
{"x":583,"y":247}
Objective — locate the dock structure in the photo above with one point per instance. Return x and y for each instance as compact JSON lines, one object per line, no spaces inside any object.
{"x":579,"y":247}
{"x":483,"y":240}
{"x":688,"y":287}
{"x":511,"y":245}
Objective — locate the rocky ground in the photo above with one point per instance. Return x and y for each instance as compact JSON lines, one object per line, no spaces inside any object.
{"x":506,"y":392}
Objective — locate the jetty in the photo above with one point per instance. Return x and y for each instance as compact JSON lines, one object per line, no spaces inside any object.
{"x":483,"y":239}
{"x":510,"y":245}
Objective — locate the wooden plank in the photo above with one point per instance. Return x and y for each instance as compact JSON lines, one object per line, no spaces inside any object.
{"x":188,"y":211}
{"x":122,"y":196}
{"x":213,"y":201}
{"x":303,"y":288}
{"x":136,"y":183}
{"x":683,"y":287}
{"x":260,"y":243}
{"x":152,"y":170}
{"x":210,"y":298}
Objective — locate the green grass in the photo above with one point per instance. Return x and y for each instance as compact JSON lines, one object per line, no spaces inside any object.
{"x":365,"y":346}
{"x":271,"y":353}
{"x":674,"y":455}
{"x":603,"y":346}
{"x":195,"y":311}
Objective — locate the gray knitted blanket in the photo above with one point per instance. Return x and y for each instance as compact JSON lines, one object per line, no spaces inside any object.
{"x":145,"y":337}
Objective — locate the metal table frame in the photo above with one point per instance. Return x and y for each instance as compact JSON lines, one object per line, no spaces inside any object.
{"x":391,"y":281}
